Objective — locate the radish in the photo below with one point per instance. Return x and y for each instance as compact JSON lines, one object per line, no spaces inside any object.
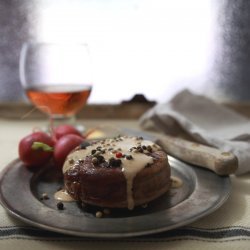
{"x":35,"y":149}
{"x":64,"y":146}
{"x":63,"y":130}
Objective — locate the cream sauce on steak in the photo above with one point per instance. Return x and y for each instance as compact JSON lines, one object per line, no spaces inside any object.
{"x":125,"y":146}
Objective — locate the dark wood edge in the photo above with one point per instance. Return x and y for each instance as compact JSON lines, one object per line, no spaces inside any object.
{"x":99,"y":111}
{"x":95,"y":111}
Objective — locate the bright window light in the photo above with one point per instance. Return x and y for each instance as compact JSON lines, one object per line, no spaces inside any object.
{"x":154,"y":47}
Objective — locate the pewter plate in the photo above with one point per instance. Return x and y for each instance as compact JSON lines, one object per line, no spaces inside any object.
{"x":202,"y":193}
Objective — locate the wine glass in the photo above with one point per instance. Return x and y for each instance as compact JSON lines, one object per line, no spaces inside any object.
{"x":56,"y":78}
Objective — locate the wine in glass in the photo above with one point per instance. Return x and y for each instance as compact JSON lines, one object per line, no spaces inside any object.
{"x":56,"y":78}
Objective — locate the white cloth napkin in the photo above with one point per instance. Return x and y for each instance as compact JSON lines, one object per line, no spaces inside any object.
{"x":206,"y":122}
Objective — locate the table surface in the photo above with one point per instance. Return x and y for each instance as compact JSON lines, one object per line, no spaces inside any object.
{"x":226,"y":228}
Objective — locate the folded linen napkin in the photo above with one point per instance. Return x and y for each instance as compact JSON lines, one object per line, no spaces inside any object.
{"x":206,"y":121}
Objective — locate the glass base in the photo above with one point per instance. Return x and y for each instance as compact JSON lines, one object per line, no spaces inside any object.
{"x":65,"y":120}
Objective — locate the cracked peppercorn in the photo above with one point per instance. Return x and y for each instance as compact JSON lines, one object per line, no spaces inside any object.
{"x":94,"y":160}
{"x":129,"y":157}
{"x":100,"y":158}
{"x":44,"y":196}
{"x":114,"y":162}
{"x":84,"y":145}
{"x":149,"y":148}
{"x":60,"y":205}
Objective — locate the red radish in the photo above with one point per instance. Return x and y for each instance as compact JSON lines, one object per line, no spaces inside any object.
{"x":63,"y":130}
{"x":64,"y":146}
{"x":35,"y":154}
